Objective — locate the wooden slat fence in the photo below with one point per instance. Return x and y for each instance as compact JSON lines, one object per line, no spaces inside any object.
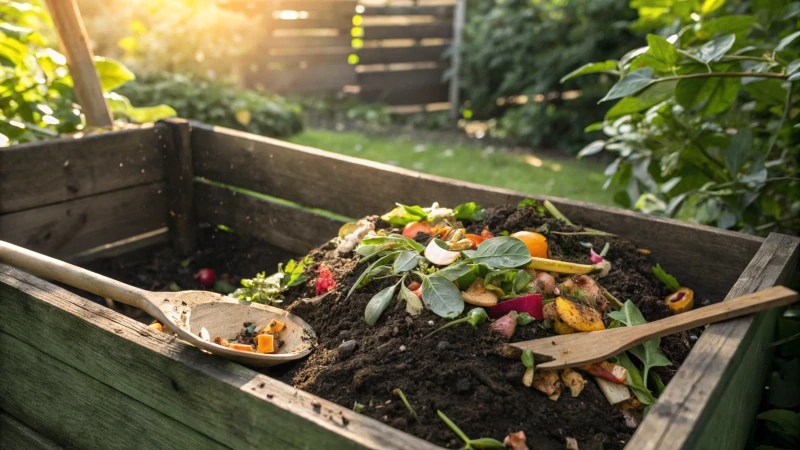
{"x":388,"y":52}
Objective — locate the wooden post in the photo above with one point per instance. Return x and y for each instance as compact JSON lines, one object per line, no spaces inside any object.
{"x":179,"y":175}
{"x":74,"y":44}
{"x":459,"y":16}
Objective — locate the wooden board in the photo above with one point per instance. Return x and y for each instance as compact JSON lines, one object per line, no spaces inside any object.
{"x":408,"y":96}
{"x":318,"y":22}
{"x":58,"y":399}
{"x":180,"y":186}
{"x":417,"y":31}
{"x":336,"y":56}
{"x":399,"y":79}
{"x":711,"y":402}
{"x":356,"y":188}
{"x":441,"y":11}
{"x":185,"y":388}
{"x":391,"y":55}
{"x":71,"y":227}
{"x":44,"y":173}
{"x":312,"y":79}
{"x":14,"y":435}
{"x":272,"y":222}
{"x":306,"y":41}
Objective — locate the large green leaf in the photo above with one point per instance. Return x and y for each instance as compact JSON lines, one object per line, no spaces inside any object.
{"x":715,"y":49}
{"x":727,"y":24}
{"x":787,"y":40}
{"x":770,"y":92}
{"x":649,"y":97}
{"x":604,"y":66}
{"x":737,"y":153}
{"x":630,"y":84}
{"x":502,"y":252}
{"x":113,"y":74}
{"x":442,"y":297}
{"x":662,"y":50}
{"x":378,"y":304}
{"x":711,"y":95}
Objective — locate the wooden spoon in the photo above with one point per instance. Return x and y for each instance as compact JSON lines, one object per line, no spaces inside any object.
{"x":183,"y":313}
{"x":572,"y":350}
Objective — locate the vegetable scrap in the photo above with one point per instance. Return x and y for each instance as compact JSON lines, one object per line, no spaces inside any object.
{"x":440,"y":268}
{"x":254,"y":339}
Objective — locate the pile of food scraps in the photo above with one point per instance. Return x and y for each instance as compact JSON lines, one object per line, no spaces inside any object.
{"x":414,"y":311}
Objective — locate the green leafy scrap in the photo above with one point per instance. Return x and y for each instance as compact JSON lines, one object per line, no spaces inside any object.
{"x":668,"y":280}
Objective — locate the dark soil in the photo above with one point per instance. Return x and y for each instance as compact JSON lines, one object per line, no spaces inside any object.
{"x":458,"y":370}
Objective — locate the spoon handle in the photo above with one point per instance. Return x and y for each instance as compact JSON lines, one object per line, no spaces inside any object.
{"x":45,"y":266}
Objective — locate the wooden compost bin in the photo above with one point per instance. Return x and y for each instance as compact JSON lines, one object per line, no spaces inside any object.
{"x":74,"y":374}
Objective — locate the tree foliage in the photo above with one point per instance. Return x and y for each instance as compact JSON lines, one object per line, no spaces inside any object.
{"x":36,"y":95}
{"x":705,"y":121}
{"x":523,"y":47}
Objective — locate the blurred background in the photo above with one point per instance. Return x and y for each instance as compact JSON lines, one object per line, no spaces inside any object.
{"x":470,"y":89}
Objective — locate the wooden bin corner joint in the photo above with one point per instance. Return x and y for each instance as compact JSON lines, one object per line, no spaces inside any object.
{"x":179,"y":174}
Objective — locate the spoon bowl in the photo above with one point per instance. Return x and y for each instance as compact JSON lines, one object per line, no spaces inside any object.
{"x":185,"y":313}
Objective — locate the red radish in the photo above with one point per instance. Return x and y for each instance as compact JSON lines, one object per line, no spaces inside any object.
{"x":594,"y":257}
{"x":410,"y":231}
{"x":531,"y":304}
{"x":505,"y":325}
{"x":206,"y":277}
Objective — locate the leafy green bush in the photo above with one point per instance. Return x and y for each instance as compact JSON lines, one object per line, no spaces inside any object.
{"x":218,"y":103}
{"x":706,"y":123}
{"x":522,"y":47}
{"x":36,"y":97}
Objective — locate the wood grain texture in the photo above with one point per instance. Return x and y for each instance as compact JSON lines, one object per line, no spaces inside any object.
{"x":74,"y":44}
{"x":301,"y":42}
{"x":222,"y":400}
{"x":416,"y":31}
{"x":74,"y":226}
{"x":396,"y":79}
{"x":441,"y":11}
{"x":712,"y":400}
{"x":390,"y":55}
{"x":121,"y":247}
{"x":329,"y":78}
{"x":356,"y":188}
{"x":272,"y":222}
{"x":180,"y":186}
{"x":407,"y":96}
{"x":15,"y":435}
{"x":44,"y":173}
{"x":60,"y":400}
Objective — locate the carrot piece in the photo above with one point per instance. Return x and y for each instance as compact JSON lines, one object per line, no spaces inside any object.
{"x":266,"y":343}
{"x":274,"y":326}
{"x":242,"y":347}
{"x":156,"y":326}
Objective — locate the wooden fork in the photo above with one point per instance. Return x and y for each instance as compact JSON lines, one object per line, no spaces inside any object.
{"x":572,"y":350}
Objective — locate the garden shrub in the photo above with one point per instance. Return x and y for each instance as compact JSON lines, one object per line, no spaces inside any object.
{"x":218,"y":103}
{"x":706,"y":121}
{"x":523,"y":47}
{"x":36,"y":97}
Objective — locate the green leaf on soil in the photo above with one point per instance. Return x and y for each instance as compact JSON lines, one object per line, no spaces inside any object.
{"x":469,"y":211}
{"x":442,"y":297}
{"x":363,"y":278}
{"x":378,"y":304}
{"x":406,"y":261}
{"x":502,"y":252}
{"x":413,"y":304}
{"x":666,"y":278}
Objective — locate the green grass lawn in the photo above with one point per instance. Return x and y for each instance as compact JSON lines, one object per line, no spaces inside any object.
{"x":533,"y":174}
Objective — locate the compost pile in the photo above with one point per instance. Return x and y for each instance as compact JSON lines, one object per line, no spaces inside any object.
{"x":463,"y":371}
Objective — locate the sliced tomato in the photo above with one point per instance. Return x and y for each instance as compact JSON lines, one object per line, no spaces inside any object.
{"x":476,"y":240}
{"x":485,"y":233}
{"x":410,"y":231}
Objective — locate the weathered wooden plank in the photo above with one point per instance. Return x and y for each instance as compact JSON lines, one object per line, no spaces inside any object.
{"x":225,"y":401}
{"x":327,"y":57}
{"x":711,"y":401}
{"x":356,"y":188}
{"x":443,"y":30}
{"x":416,"y":31}
{"x":180,"y":186}
{"x":79,"y":411}
{"x":121,"y":247}
{"x":408,"y":96}
{"x":44,"y":173}
{"x":319,"y":21}
{"x":306,"y":41}
{"x":312,"y":79}
{"x":399,"y":78}
{"x":391,"y":55}
{"x":442,"y":11}
{"x":267,"y":6}
{"x":15,"y":435}
{"x":71,"y":227}
{"x":272,"y":222}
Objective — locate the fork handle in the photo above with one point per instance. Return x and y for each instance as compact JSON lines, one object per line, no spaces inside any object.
{"x":741,"y":306}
